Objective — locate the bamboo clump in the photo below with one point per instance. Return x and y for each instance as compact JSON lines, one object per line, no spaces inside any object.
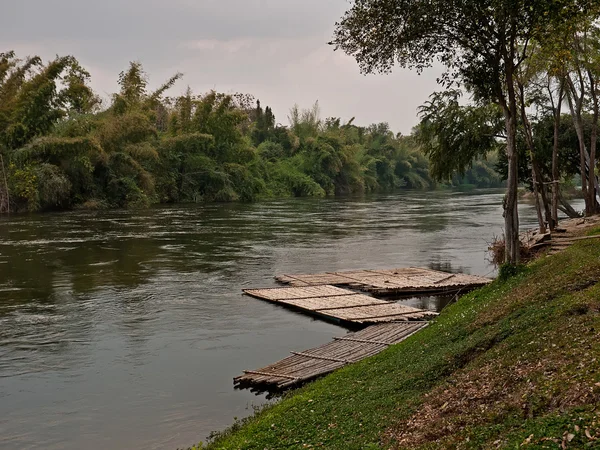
{"x":4,"y":193}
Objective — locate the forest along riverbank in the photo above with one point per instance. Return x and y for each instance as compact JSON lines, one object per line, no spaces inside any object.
{"x":514,"y":363}
{"x":127,"y":327}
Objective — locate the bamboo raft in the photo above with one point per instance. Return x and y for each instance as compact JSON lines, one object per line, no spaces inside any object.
{"x":302,"y":367}
{"x":407,"y":281}
{"x":339,"y":305}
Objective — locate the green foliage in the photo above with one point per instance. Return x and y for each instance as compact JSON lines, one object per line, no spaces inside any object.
{"x":198,"y":446}
{"x":454,"y":136}
{"x":485,"y":45}
{"x":22,"y":183}
{"x":66,"y":152}
{"x":507,"y":271}
{"x":264,"y":125}
{"x":133,"y":84}
{"x":77,"y":97}
{"x":54,"y":189}
{"x":288,"y":179}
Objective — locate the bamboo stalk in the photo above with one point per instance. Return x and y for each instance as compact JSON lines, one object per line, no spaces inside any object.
{"x":275,"y":375}
{"x":324,"y":358}
{"x":5,"y":184}
{"x":364,"y":341}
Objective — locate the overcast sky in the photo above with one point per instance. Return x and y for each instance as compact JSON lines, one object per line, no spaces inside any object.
{"x":274,"y":49}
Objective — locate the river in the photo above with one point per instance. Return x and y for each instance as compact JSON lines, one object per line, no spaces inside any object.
{"x":124,"y":329}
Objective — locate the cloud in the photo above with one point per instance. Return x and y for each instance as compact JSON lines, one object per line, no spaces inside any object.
{"x":274,"y":49}
{"x":173,"y":20}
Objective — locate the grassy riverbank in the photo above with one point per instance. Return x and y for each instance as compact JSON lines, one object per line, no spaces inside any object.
{"x":516,"y":363}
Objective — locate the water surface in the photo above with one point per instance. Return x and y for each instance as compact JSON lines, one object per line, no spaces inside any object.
{"x":124,"y":329}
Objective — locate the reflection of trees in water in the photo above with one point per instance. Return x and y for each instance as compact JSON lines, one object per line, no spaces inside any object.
{"x":446,"y":266}
{"x":125,"y":249}
{"x":432,"y":303}
{"x":120,"y":257}
{"x":70,"y":273}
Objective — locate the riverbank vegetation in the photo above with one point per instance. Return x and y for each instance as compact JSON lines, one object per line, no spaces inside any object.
{"x":62,"y":147}
{"x":520,"y":63}
{"x":511,"y":365}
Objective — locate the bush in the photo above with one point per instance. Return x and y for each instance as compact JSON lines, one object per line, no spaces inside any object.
{"x":54,"y":189}
{"x":508,"y":271}
{"x":22,"y":184}
{"x":497,"y":250}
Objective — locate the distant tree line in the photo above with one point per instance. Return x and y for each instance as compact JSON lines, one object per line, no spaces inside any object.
{"x":61,"y":147}
{"x":520,"y":65}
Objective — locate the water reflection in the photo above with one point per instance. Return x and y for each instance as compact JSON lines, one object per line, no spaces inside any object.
{"x":433,"y":303}
{"x":124,"y":329}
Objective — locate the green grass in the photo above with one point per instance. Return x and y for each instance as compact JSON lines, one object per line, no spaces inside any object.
{"x":513,"y":365}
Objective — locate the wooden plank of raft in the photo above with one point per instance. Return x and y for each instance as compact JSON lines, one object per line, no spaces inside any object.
{"x":305,"y":366}
{"x":375,"y":311}
{"x":444,"y":279}
{"x":394,"y":280}
{"x":320,"y":304}
{"x":348,"y":307}
{"x":363,"y":341}
{"x":274,"y":375}
{"x":312,"y":280}
{"x":324,"y":358}
{"x":278,"y":294}
{"x":333,"y":303}
{"x":412,"y":329}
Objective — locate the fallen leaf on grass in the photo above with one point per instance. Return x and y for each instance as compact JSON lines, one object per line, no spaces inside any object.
{"x":589,"y":436}
{"x":527,"y":441}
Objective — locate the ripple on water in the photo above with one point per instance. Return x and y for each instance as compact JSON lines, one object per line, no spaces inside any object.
{"x":125,"y":328}
{"x":104,"y":263}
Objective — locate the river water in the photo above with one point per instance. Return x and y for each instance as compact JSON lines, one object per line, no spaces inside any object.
{"x":124,"y":329}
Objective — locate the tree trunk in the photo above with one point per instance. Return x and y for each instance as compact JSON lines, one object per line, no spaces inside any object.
{"x":541,"y":188}
{"x":592,"y":203}
{"x":555,"y":169}
{"x":566,"y":207}
{"x":511,"y":213}
{"x":538,"y":207}
{"x":592,"y":186}
{"x":578,"y":123}
{"x":536,"y":173}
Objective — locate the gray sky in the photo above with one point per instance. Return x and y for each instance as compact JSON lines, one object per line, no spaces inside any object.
{"x":274,"y":49}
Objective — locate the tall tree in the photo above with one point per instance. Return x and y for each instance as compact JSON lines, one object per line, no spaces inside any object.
{"x":77,"y":97}
{"x":583,"y":94}
{"x":481,"y":42}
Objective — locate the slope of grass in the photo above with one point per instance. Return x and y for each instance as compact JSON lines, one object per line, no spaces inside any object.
{"x":515,"y":364}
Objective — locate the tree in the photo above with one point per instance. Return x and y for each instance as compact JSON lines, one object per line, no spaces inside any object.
{"x":59,"y":149}
{"x":583,"y":89}
{"x":551,"y":60}
{"x":264,"y":124}
{"x":77,"y":97}
{"x":453,"y":135}
{"x":481,"y":42}
{"x":525,"y":80}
